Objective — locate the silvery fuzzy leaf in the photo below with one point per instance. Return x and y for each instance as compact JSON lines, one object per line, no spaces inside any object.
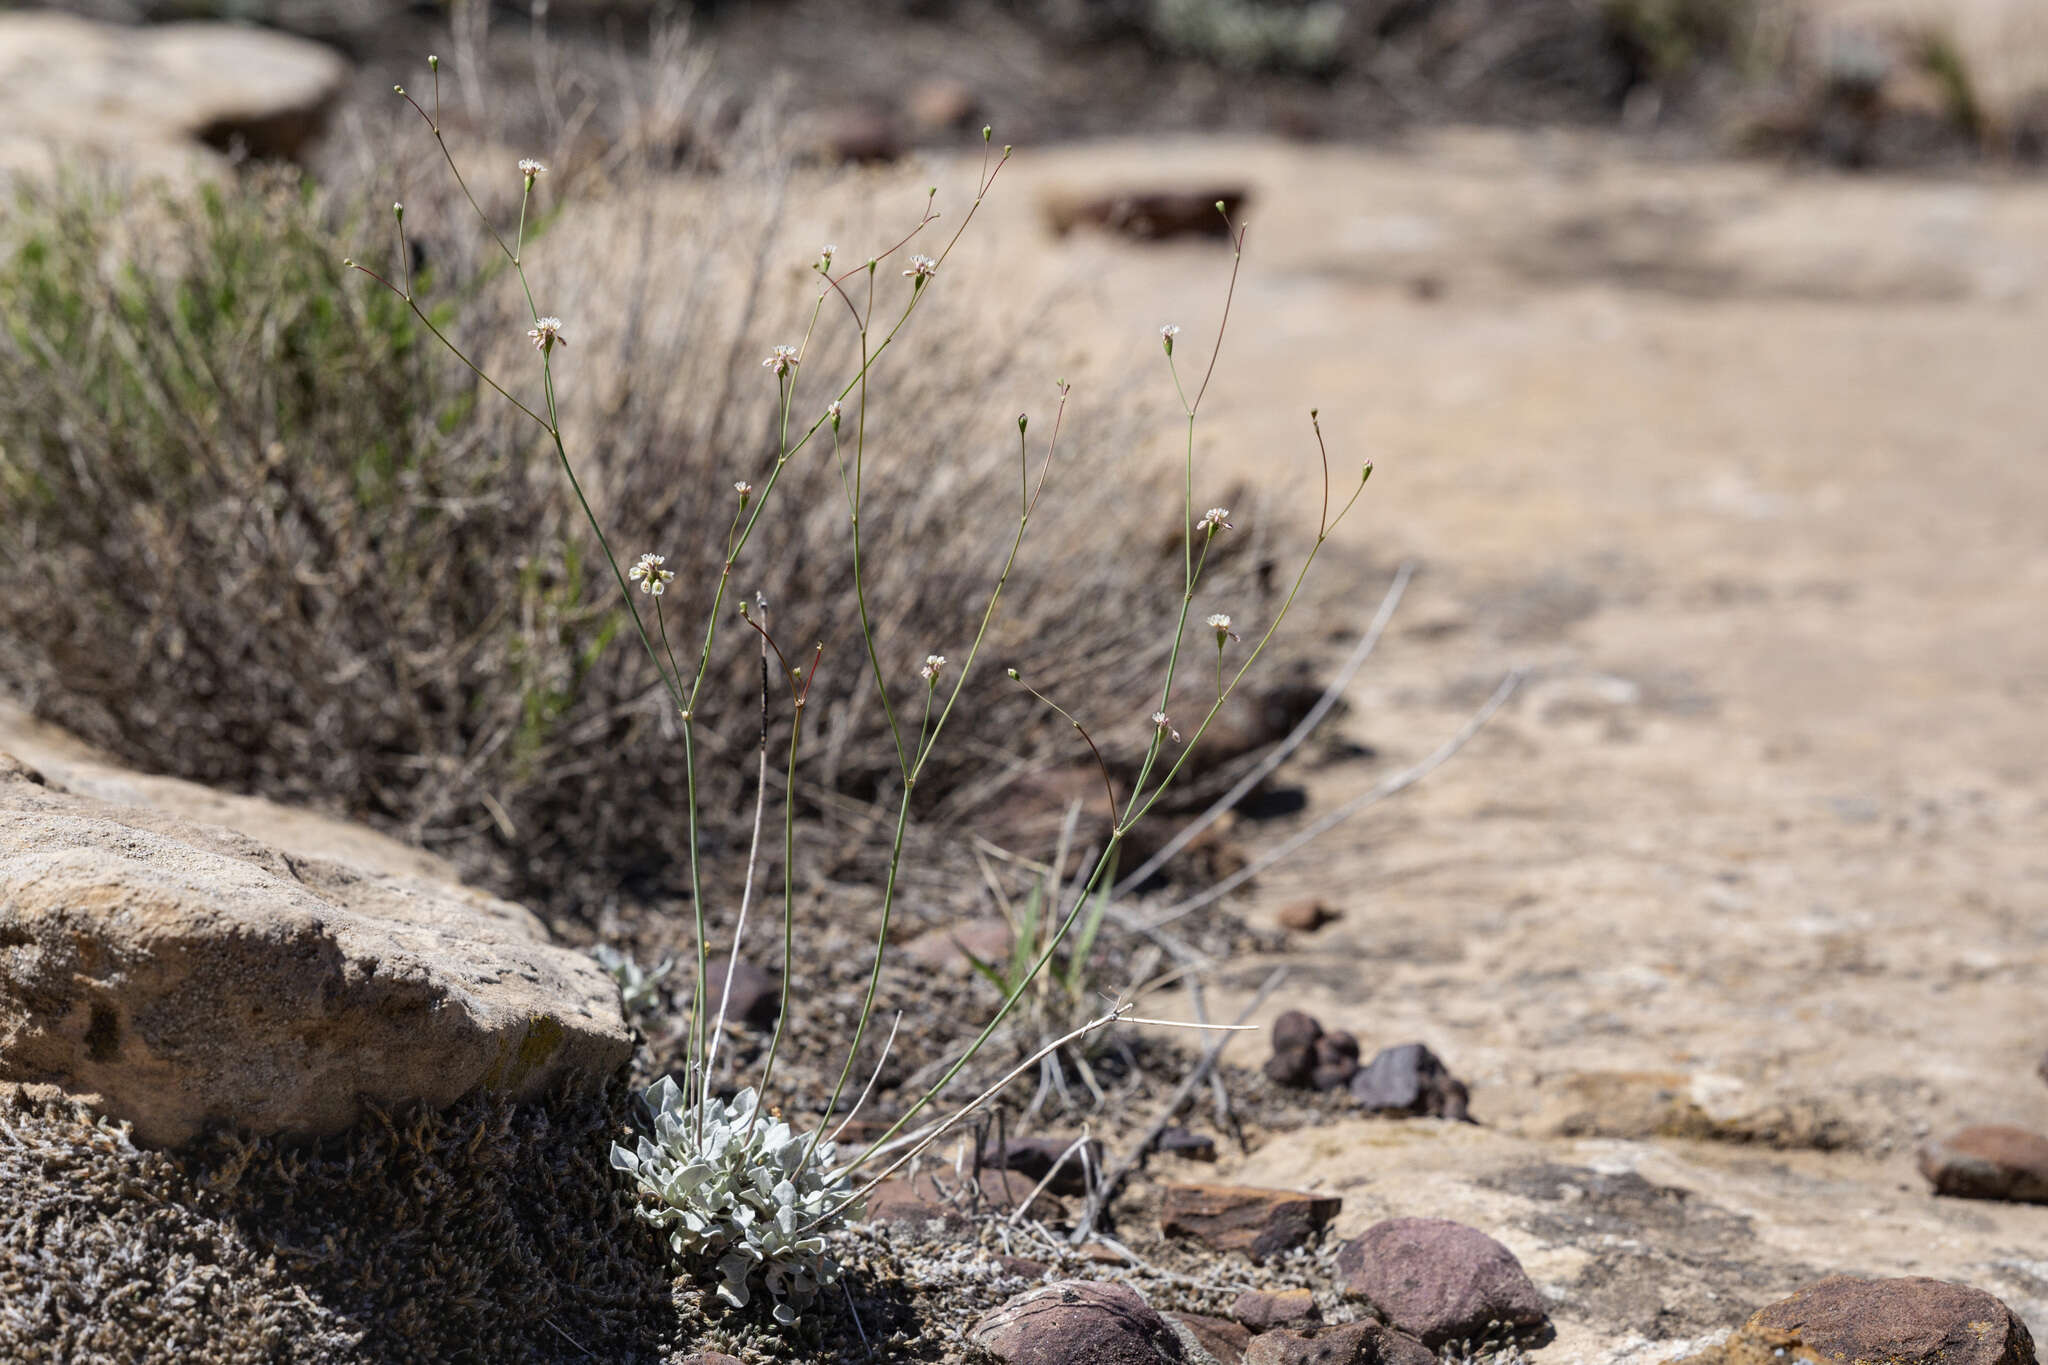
{"x":623,"y":1160}
{"x":785,"y":1193}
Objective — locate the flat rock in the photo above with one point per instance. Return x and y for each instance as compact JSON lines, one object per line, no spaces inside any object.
{"x":1147,"y":215}
{"x":1991,"y":1161}
{"x":1033,"y":1158}
{"x":1353,"y":1343}
{"x":1222,"y":1339}
{"x":1905,"y":1321}
{"x":947,"y":949}
{"x":177,"y":975}
{"x":1263,"y":1309}
{"x":1438,"y":1280}
{"x":1677,"y":1104}
{"x":158,"y":97}
{"x":756,"y":992}
{"x":1243,"y":1218}
{"x":1077,"y":1320}
{"x":1183,"y":1142}
{"x":918,"y":1204}
{"x":1306,"y":916}
{"x":1412,"y":1080}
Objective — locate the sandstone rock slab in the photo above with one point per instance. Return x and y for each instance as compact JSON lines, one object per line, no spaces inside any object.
{"x":180,"y":975}
{"x":156,"y":98}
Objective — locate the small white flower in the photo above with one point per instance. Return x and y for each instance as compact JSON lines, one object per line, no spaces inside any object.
{"x":1221,"y":625}
{"x":744,"y":489}
{"x":649,"y":574}
{"x":1166,"y":336}
{"x":932,"y":664}
{"x":1214,"y":520}
{"x":833,"y":413}
{"x":825,"y":256}
{"x":781,"y":360}
{"x":546,"y":332}
{"x":1165,"y":726}
{"x":921,"y":269}
{"x":532,"y":170}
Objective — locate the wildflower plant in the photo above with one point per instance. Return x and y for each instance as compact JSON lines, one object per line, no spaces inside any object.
{"x":738,"y":1189}
{"x":741,"y":1191}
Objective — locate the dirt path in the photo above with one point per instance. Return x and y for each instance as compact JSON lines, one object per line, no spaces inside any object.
{"x":1748,"y":471}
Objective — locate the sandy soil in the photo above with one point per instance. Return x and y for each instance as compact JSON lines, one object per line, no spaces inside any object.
{"x":1747,"y":471}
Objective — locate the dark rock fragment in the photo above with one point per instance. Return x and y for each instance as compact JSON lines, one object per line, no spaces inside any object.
{"x":1264,"y":1309}
{"x":1306,"y":916}
{"x":1148,"y":216}
{"x":1295,"y":1029}
{"x":1336,"y":1061}
{"x":1030,"y":1158}
{"x":1410,"y":1079}
{"x":756,"y":993}
{"x":1905,"y":1321}
{"x":1222,"y":1339}
{"x":1077,"y":1320}
{"x":1440,"y":1281}
{"x":1353,"y":1343}
{"x":1183,"y":1143}
{"x":1991,"y":1161}
{"x":1244,"y":1218}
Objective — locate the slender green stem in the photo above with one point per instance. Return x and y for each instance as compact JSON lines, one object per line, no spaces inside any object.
{"x":925,"y":748}
{"x":796,"y":730}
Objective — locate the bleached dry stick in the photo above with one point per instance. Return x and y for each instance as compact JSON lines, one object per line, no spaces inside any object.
{"x":1106,"y":1191}
{"x":1285,"y":747}
{"x":938,"y":1130}
{"x":1399,"y":782}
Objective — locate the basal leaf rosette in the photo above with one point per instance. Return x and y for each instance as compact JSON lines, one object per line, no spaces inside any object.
{"x":741,"y":1190}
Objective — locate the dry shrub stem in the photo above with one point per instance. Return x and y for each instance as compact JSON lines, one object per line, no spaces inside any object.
{"x":257,"y":530}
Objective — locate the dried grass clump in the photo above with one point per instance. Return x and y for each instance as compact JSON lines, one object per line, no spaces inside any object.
{"x":257,"y":530}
